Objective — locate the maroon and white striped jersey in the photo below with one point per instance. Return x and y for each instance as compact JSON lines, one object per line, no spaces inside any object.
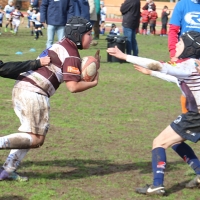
{"x":65,"y":66}
{"x":16,"y":15}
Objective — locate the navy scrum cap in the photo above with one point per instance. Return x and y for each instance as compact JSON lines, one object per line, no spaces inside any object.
{"x":191,"y":41}
{"x":75,"y":28}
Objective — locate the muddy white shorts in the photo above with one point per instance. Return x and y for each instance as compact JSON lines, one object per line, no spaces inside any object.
{"x":15,"y":22}
{"x":33,"y":111}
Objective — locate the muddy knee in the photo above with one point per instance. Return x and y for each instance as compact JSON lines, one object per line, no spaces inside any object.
{"x":38,"y":140}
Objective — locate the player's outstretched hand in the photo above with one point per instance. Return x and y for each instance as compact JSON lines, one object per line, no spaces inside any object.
{"x":45,"y":61}
{"x":142,"y":69}
{"x":114,"y":51}
{"x":174,"y":59}
{"x":98,"y":57}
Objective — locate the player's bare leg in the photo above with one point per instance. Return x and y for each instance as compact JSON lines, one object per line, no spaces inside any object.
{"x":164,"y":140}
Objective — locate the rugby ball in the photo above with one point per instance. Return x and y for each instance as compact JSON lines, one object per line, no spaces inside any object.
{"x":88,"y":68}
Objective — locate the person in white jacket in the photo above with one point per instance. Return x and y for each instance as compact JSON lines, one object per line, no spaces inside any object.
{"x":93,"y":17}
{"x":187,"y":125}
{"x":93,"y":14}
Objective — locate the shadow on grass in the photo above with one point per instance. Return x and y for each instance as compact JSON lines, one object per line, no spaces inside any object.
{"x":176,"y":187}
{"x":13,"y":197}
{"x":4,"y":55}
{"x":79,"y":168}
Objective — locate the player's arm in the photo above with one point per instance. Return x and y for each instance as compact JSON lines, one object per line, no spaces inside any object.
{"x":13,"y":69}
{"x":11,"y":16}
{"x":38,"y":17}
{"x":22,"y":18}
{"x":144,"y":62}
{"x":81,"y":86}
{"x":157,"y":74}
{"x":5,"y":9}
{"x":151,"y":64}
{"x":172,"y":40}
{"x":166,"y":77}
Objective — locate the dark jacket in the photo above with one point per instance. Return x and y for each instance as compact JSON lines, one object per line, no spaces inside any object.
{"x":82,"y":9}
{"x":148,"y":6}
{"x":56,"y":12}
{"x":130,"y":10}
{"x":164,"y":17}
{"x":34,"y":3}
{"x":13,"y":69}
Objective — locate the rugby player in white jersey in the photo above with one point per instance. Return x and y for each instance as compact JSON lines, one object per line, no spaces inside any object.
{"x":8,"y":9}
{"x":186,"y":73}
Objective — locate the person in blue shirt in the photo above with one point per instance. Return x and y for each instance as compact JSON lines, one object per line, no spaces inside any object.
{"x":34,"y":3}
{"x":55,"y":14}
{"x":82,"y":9}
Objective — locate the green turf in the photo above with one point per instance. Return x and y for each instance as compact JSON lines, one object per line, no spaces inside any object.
{"x":99,"y":143}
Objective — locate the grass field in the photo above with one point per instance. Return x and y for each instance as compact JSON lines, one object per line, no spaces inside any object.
{"x":99,"y":143}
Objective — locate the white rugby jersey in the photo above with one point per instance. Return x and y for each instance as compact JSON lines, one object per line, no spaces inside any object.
{"x":35,"y":18}
{"x":8,"y":9}
{"x":65,"y":66}
{"x":30,"y":13}
{"x":184,"y":70}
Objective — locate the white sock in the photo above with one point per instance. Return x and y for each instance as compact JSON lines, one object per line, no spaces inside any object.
{"x":16,"y":141}
{"x":14,"y":159}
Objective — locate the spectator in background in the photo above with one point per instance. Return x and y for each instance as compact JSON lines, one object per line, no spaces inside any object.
{"x":150,"y":5}
{"x":164,"y":20}
{"x":81,"y":9}
{"x":130,"y":10}
{"x":102,"y":17}
{"x":93,"y":18}
{"x":55,"y":14}
{"x":152,"y":21}
{"x":92,"y":11}
{"x":8,"y":9}
{"x":96,"y":24}
{"x":114,"y":30}
{"x":185,"y":17}
{"x":145,"y":21}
